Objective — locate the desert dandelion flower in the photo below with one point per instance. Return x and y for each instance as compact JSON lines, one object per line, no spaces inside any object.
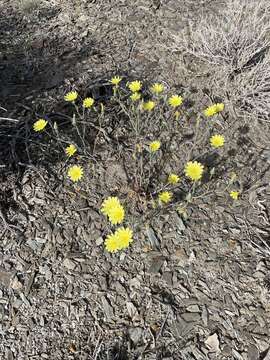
{"x":116,"y":215}
{"x":175,"y":100}
{"x":165,"y":197}
{"x":116,"y":80}
{"x":217,"y":141}
{"x":71,"y":96}
{"x":234,"y":195}
{"x":135,"y":86}
{"x":157,"y":88}
{"x":194,"y":170}
{"x":213,"y":109}
{"x":135,"y":96}
{"x":173,"y":179}
{"x":149,"y":105}
{"x":40,"y":125}
{"x":75,"y":173}
{"x":111,"y":243}
{"x":109,"y":203}
{"x":124,"y":237}
{"x":154,"y":146}
{"x":88,"y":102}
{"x":70,"y":150}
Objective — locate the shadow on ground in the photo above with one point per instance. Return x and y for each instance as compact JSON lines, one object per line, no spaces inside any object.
{"x":33,"y":63}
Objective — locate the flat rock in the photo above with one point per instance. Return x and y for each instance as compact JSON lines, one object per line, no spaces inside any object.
{"x":135,"y":334}
{"x":193,"y":308}
{"x":5,"y":278}
{"x":69,"y":264}
{"x":191,"y":317}
{"x":212,"y":343}
{"x":16,"y":284}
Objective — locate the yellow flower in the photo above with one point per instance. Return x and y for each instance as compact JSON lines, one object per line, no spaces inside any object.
{"x":217,"y":141}
{"x":194,"y":170}
{"x":173,"y":179}
{"x":135,"y":96}
{"x":75,"y":173}
{"x":120,"y":240}
{"x":88,"y":102}
{"x":157,"y":88}
{"x":71,"y":96}
{"x":111,"y":243}
{"x":115,"y":80}
{"x":109,"y":204}
{"x":213,"y":109}
{"x":234,"y":195}
{"x":113,"y":209}
{"x":124,"y":237}
{"x":149,"y":105}
{"x":135,"y":86}
{"x":165,"y":196}
{"x":116,"y":215}
{"x":40,"y":124}
{"x":175,"y":100}
{"x":154,"y":146}
{"x":70,"y":150}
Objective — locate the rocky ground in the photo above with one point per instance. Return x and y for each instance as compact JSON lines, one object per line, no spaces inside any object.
{"x":196,"y":289}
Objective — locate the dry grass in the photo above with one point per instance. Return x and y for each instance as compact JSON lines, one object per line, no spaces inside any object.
{"x":232,"y":48}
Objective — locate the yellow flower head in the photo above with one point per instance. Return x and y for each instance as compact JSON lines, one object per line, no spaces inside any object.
{"x":112,"y":243}
{"x":88,"y":102}
{"x":194,"y":170}
{"x":154,"y":146}
{"x":71,"y":96}
{"x":135,"y":86}
{"x":217,"y":141}
{"x":135,"y":96}
{"x":75,"y":173}
{"x":173,"y":179}
{"x":115,"y":80}
{"x":109,"y":204}
{"x":113,"y":209}
{"x":149,"y":105}
{"x":175,"y":100}
{"x":124,"y":237}
{"x":213,"y":109}
{"x":234,"y":195}
{"x":165,"y":196}
{"x":157,"y":88}
{"x":120,"y":240}
{"x":70,"y":150}
{"x":40,"y":124}
{"x":116,"y":215}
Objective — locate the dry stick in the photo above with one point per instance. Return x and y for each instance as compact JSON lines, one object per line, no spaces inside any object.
{"x":8,"y":119}
{"x":97,"y":348}
{"x":163,"y":324}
